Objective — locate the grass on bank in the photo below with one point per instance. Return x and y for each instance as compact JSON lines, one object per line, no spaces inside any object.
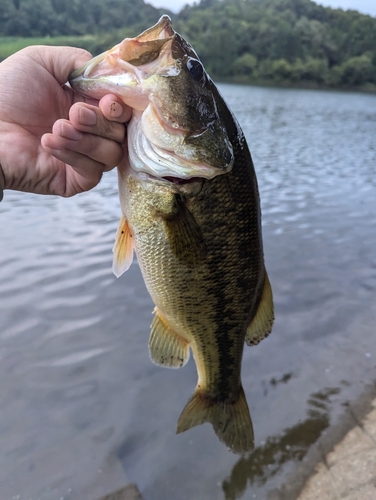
{"x":10,"y":45}
{"x":93,"y":43}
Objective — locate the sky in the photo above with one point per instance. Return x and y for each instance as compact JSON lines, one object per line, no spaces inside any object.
{"x":364,"y":6}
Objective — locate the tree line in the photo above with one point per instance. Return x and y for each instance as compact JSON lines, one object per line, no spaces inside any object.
{"x":36,"y":18}
{"x":283,"y":41}
{"x":278,"y":41}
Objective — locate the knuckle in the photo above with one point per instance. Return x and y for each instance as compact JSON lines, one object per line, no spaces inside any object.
{"x":119,"y":156}
{"x":105,"y":151}
{"x":114,"y":158}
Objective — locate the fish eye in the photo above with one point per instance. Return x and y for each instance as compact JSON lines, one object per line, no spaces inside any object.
{"x":195,"y":68}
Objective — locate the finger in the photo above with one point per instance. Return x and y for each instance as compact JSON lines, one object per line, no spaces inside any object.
{"x":114,"y":109}
{"x":90,"y":119}
{"x":65,"y":137}
{"x":80,"y":168}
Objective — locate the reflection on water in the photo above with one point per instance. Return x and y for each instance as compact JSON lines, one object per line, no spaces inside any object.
{"x":267,"y":460}
{"x":78,"y":390}
{"x":275,"y":381}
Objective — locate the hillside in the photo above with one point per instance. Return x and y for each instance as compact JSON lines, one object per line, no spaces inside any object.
{"x":282,"y":41}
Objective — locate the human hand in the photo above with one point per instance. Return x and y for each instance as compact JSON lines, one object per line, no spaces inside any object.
{"x":53,"y":141}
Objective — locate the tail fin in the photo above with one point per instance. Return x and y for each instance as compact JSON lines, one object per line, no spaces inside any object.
{"x":231,"y":421}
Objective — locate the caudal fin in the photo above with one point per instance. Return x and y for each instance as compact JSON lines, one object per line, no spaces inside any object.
{"x":231,"y":422}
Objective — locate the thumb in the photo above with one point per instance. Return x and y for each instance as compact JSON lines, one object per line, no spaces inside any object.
{"x":61,"y":61}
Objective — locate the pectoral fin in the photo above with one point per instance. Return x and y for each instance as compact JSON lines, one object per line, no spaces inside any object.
{"x":166,"y":347}
{"x":262,"y":323}
{"x":123,"y":248}
{"x":184,"y":234}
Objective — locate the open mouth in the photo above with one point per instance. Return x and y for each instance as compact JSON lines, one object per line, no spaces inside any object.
{"x":179,"y":180}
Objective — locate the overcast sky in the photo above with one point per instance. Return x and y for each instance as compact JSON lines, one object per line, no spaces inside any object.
{"x":365,"y":6}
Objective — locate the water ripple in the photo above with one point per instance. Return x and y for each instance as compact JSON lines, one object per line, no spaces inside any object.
{"x":74,"y":356}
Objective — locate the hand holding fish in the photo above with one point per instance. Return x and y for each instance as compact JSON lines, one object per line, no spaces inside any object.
{"x":52,"y":141}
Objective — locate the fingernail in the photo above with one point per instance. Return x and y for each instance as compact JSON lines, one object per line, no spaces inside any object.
{"x":87,"y":116}
{"x":115,"y":109}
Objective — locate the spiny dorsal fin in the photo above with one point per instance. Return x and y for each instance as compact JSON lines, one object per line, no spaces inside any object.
{"x":231,"y":421}
{"x":123,"y":248}
{"x":262,"y":323}
{"x":184,"y":234}
{"x":166,"y":347}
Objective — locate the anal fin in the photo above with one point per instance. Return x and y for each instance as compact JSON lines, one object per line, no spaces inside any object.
{"x":262,"y":323}
{"x":166,"y":347}
{"x":123,"y":248}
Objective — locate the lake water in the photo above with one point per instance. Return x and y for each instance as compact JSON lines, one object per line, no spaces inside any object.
{"x":83,"y":409}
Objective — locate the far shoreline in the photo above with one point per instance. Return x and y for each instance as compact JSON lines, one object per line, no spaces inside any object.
{"x":363,"y":89}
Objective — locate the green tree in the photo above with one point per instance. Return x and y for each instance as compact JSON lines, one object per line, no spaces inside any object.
{"x":282,"y":70}
{"x":315,"y":70}
{"x":246,"y":64}
{"x":358,"y":70}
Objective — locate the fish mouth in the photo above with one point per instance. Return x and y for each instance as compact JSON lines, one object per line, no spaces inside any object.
{"x":123,"y":68}
{"x":179,"y":180}
{"x":170,"y":179}
{"x":189,"y":187}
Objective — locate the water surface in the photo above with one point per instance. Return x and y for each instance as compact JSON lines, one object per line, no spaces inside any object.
{"x":83,"y":409}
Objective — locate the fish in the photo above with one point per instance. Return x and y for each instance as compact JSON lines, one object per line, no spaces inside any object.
{"x":191,"y":213}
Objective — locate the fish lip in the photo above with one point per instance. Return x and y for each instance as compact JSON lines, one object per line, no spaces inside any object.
{"x":83,"y":73}
{"x":110,"y":72}
{"x":83,"y":81}
{"x":162,"y":29}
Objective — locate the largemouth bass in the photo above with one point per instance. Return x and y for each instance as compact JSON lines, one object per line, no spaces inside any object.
{"x":191,"y":212}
